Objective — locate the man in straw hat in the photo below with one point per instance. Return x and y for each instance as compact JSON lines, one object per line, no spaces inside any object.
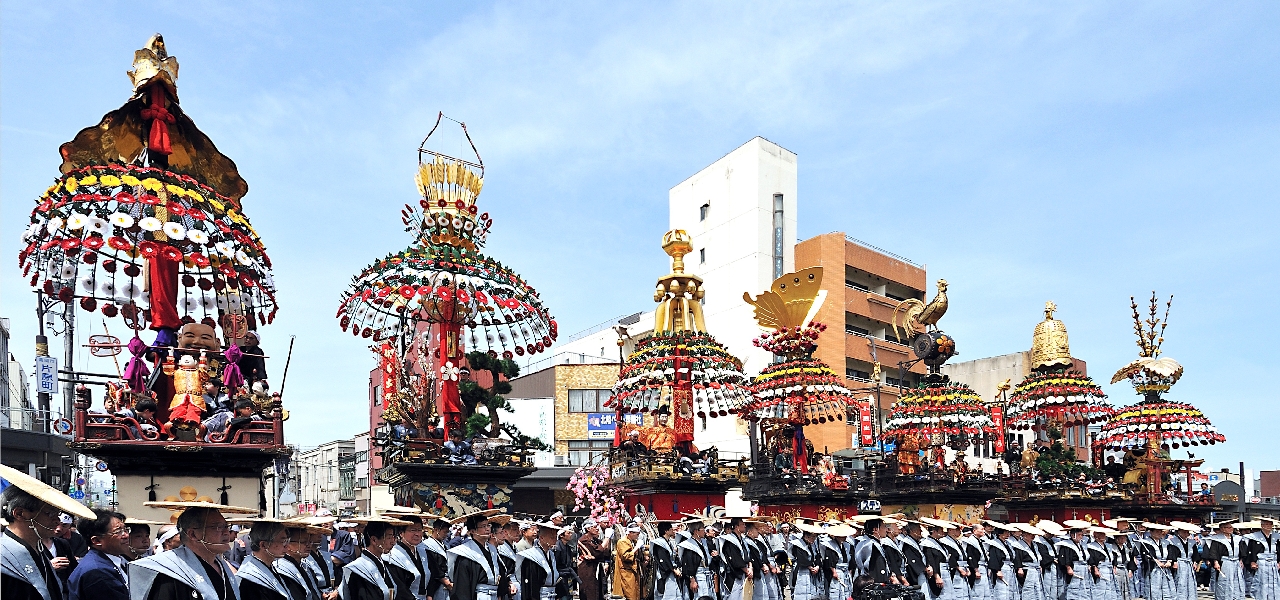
{"x":257,"y":578}
{"x":196,"y":568}
{"x":837,"y":560}
{"x":696,"y":564}
{"x":1073,"y":561}
{"x":405,"y":562}
{"x":1002,"y":575}
{"x":538,"y":573}
{"x":368,"y":577}
{"x":1263,"y":546}
{"x":913,"y":559}
{"x":807,"y":580}
{"x":1102,"y":563}
{"x":1225,"y":552}
{"x":33,"y":511}
{"x":1159,"y":560}
{"x":1184,"y":566}
{"x":439,"y":584}
{"x":1045,"y":545}
{"x":476,"y":568}
{"x":937,"y":565}
{"x":764,"y":562}
{"x":1026,"y":562}
{"x":303,"y":538}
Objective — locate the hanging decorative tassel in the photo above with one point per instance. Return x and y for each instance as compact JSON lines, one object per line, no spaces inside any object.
{"x":136,"y":371}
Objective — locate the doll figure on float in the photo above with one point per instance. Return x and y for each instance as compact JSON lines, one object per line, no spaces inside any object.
{"x":659,"y":437}
{"x":186,"y":409}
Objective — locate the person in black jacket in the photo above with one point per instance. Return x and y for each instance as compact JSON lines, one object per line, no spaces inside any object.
{"x":99,"y":574}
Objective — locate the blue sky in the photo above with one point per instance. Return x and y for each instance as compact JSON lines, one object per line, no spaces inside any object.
{"x":1081,"y":152}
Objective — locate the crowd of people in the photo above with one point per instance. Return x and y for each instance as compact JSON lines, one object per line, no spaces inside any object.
{"x":405,"y":554}
{"x":1120,"y":559}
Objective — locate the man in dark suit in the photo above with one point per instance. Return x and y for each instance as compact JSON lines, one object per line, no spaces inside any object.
{"x":100,"y":576}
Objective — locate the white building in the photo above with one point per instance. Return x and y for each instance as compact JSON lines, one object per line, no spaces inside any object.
{"x":741,"y":213}
{"x":318,"y":482}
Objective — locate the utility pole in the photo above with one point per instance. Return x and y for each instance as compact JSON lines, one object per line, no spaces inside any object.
{"x":68,"y":350}
{"x":42,"y":349}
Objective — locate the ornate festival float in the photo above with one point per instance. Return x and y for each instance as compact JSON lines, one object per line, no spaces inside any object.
{"x":146,"y":227}
{"x":1048,"y":479}
{"x":678,"y":375}
{"x":1145,"y":433}
{"x":1128,"y":472}
{"x":795,"y":390}
{"x":446,"y":322}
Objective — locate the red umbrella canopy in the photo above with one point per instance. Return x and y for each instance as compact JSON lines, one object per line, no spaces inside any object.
{"x":671,"y":358}
{"x":499,"y":312}
{"x":1176,"y":423}
{"x":1058,"y":395}
{"x":94,"y":232}
{"x":801,"y":391}
{"x":947,"y":407}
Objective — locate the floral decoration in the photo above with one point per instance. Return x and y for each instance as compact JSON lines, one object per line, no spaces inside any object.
{"x":1060,"y":394}
{"x":799,"y":391}
{"x":589,"y":491}
{"x":949,"y":407}
{"x":1174,"y":422}
{"x":102,"y":223}
{"x":445,"y":284}
{"x":719,"y":386}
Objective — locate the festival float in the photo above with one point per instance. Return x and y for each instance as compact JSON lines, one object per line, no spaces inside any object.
{"x":146,"y":226}
{"x":1047,"y":479}
{"x":795,"y":391}
{"x":1147,"y":432}
{"x":445,"y":323}
{"x":677,"y":375}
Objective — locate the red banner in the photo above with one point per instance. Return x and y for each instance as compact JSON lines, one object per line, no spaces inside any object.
{"x":865,"y":424}
{"x":390,"y":373}
{"x":997,"y":420}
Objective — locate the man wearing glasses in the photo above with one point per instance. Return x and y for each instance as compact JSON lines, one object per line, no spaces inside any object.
{"x":99,"y":574}
{"x":33,"y":509}
{"x":195,"y":569}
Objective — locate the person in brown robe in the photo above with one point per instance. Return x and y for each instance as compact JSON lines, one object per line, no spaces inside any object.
{"x":626,"y":571}
{"x":591,"y":554}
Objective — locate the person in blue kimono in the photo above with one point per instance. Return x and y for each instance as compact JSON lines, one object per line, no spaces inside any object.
{"x":807,"y":582}
{"x":1263,"y":546}
{"x":257,"y":578}
{"x":1226,"y":551}
{"x":1073,"y":563}
{"x":1159,"y":560}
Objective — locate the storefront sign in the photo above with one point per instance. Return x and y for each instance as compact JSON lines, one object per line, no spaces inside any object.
{"x":600,"y":426}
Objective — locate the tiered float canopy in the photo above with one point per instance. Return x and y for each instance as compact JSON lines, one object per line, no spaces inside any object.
{"x":1054,"y":392}
{"x":943,"y":407}
{"x":443,"y":278}
{"x":800,"y":389}
{"x":146,"y":221}
{"x":681,"y":367}
{"x":1154,"y":421}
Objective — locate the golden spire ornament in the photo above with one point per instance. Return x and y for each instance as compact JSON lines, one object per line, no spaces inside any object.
{"x":1049,"y":346}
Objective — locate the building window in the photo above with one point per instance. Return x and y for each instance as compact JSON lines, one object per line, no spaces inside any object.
{"x":581,"y":452}
{"x":855,"y":330}
{"x":894,"y":296}
{"x":856,"y":374}
{"x":702,"y":255}
{"x":855,"y":285}
{"x":589,"y":401}
{"x":703,"y":210}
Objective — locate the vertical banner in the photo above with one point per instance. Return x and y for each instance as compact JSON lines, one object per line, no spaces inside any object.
{"x":997,"y":420}
{"x":865,"y":424}
{"x":390,"y":373}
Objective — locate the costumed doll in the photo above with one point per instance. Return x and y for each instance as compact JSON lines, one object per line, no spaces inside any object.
{"x":186,"y":410}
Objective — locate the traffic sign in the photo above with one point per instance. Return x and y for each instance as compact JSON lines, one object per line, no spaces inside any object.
{"x":100,"y":466}
{"x":80,"y":481}
{"x":77,"y":495}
